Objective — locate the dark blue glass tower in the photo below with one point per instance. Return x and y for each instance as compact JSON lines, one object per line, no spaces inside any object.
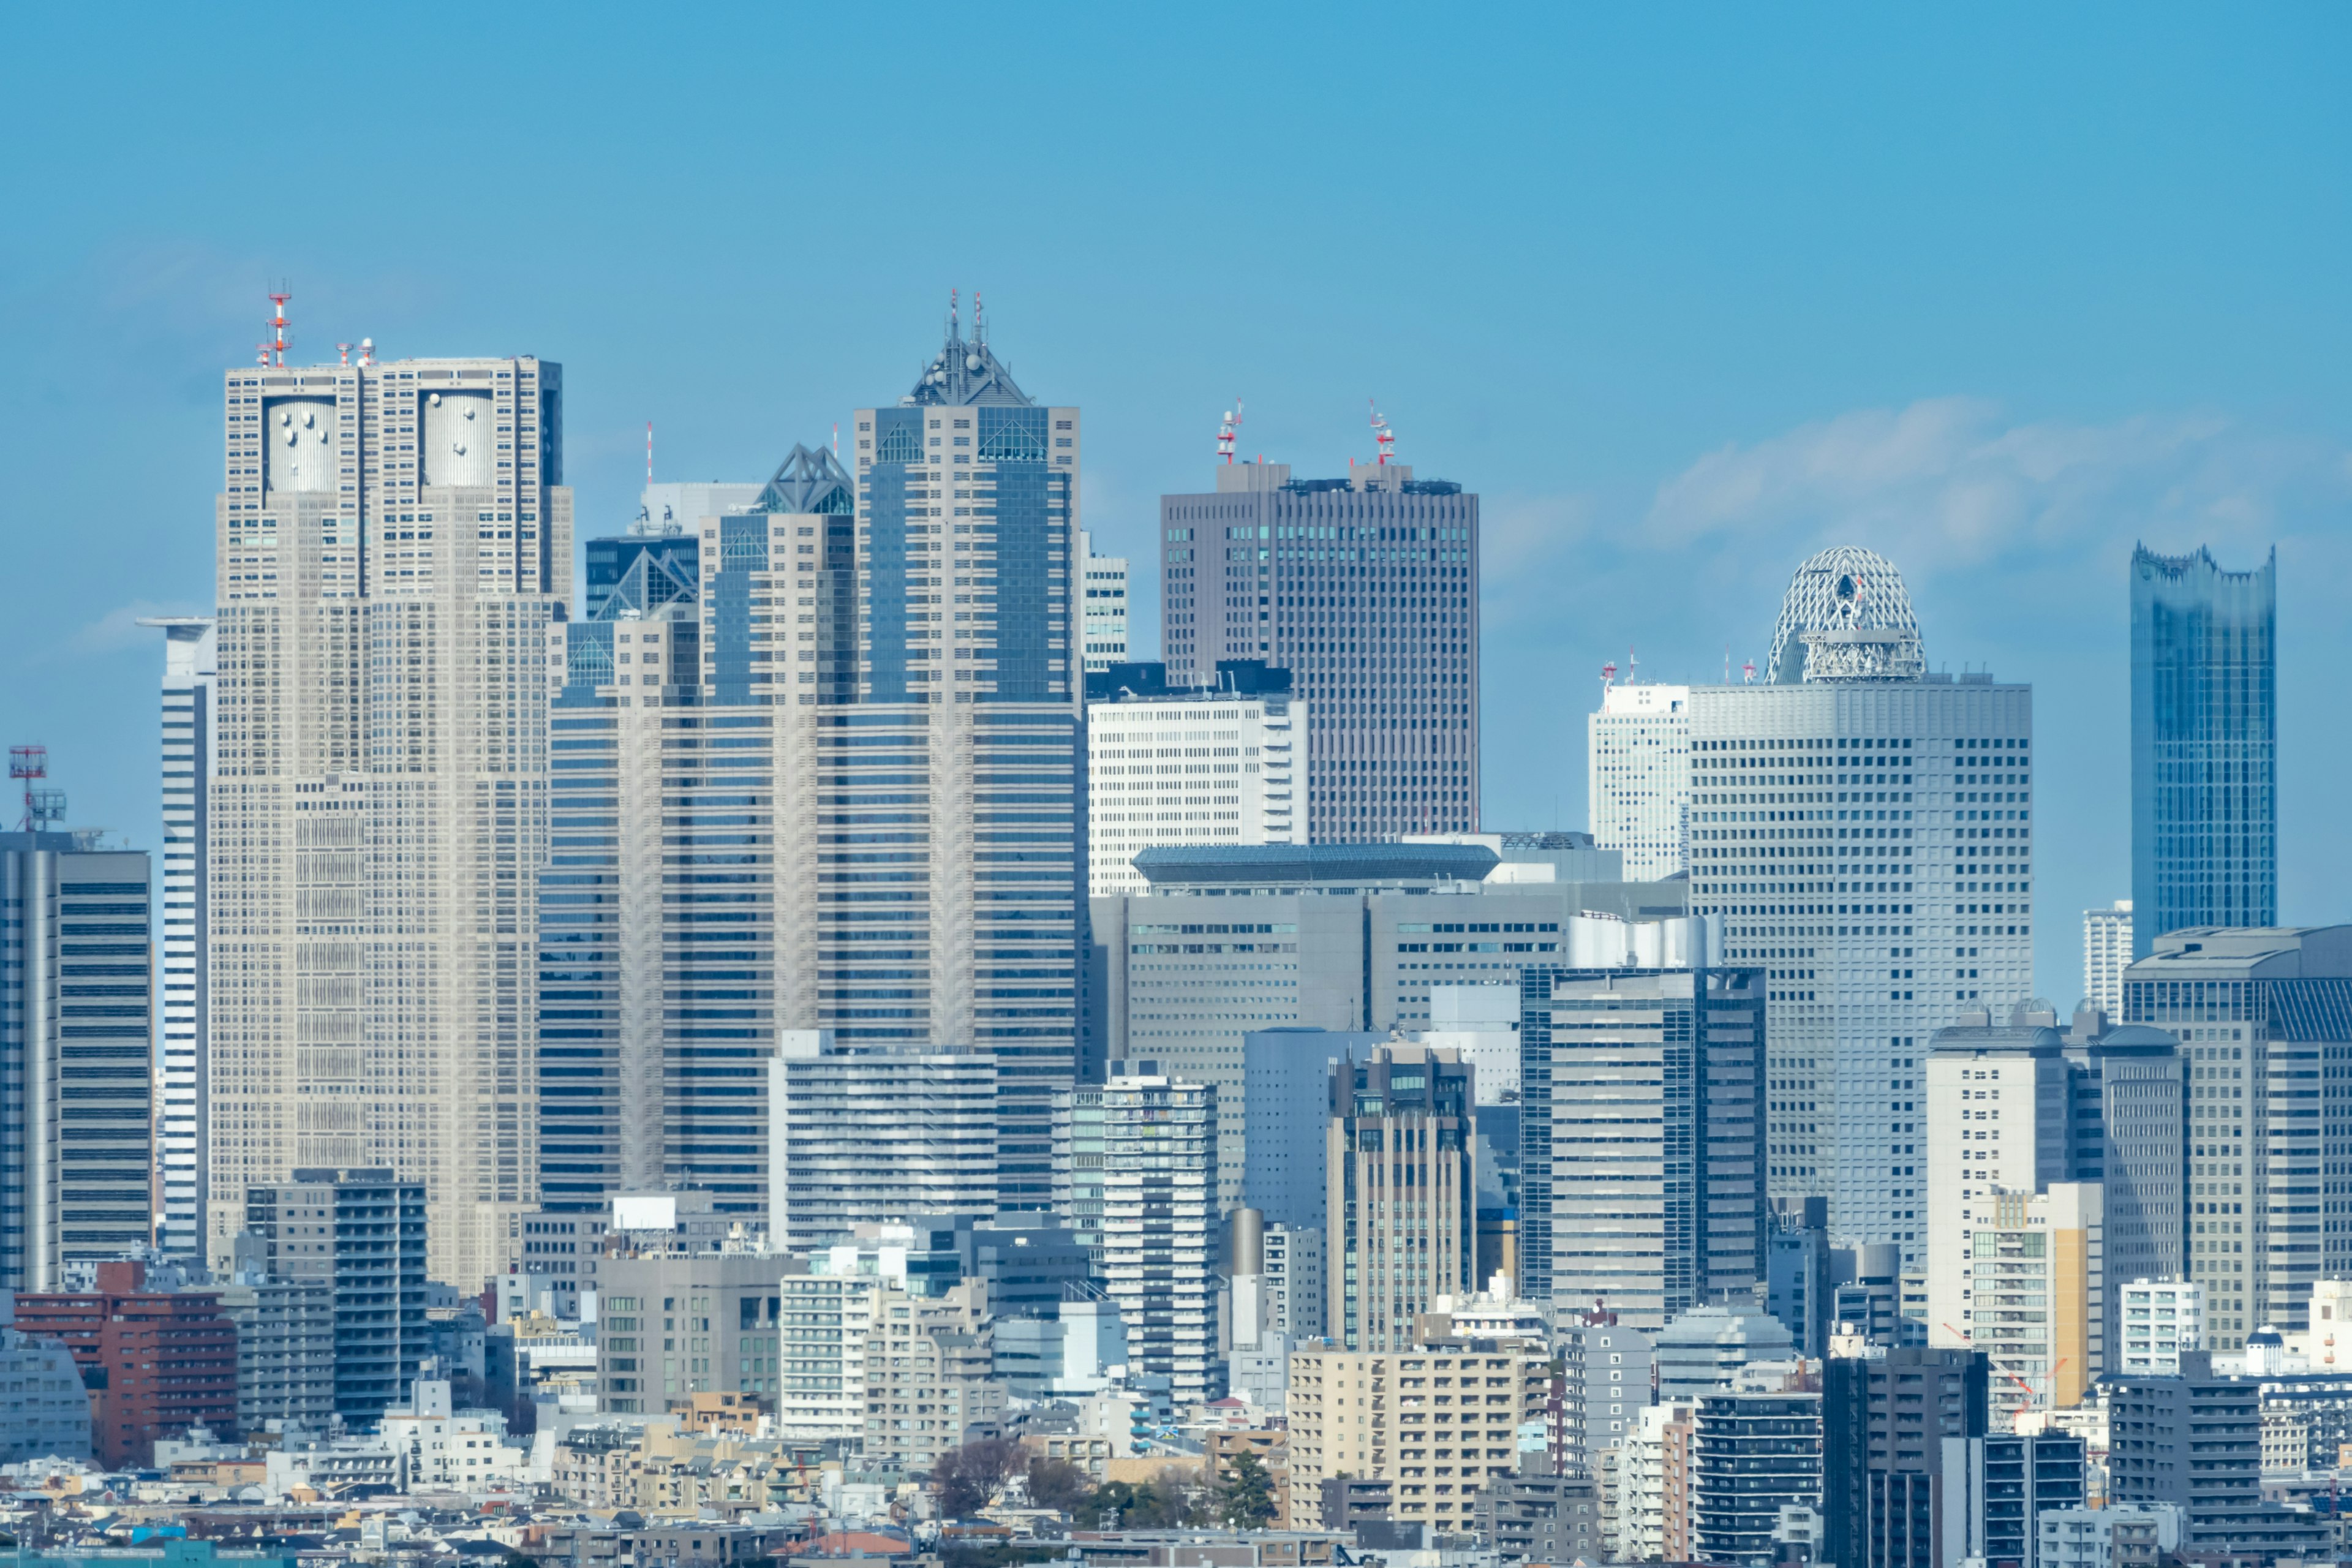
{"x":2204,"y":744}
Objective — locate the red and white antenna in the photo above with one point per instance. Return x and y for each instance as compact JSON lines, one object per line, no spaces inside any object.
{"x":343,"y":355}
{"x":1384,"y":438}
{"x":278,"y":322}
{"x":837,"y":440}
{"x":1229,"y":430}
{"x":1748,"y":672}
{"x":367,"y":351}
{"x":1608,"y":676}
{"x":649,"y":451}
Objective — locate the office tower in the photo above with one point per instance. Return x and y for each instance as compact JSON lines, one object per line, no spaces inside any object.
{"x":155,"y":1362}
{"x":362,"y":1234}
{"x":1273,"y":1128}
{"x":1296,"y":1296}
{"x":1884,"y":1416}
{"x":395,"y":538}
{"x":1797,"y":1268}
{"x":189,"y":667}
{"x":1401,"y":1214}
{"x":1642,"y":1187}
{"x":1367,"y":589}
{"x":1998,"y":1488}
{"x":1104,"y":609}
{"x":74,"y":1032}
{"x":1863,"y":825}
{"x":674,"y":1322}
{"x":1974,"y":1071}
{"x":2268,"y":1120}
{"x":2194,"y":1439}
{"x":1160,"y":1224}
{"x":967,"y":507}
{"x":2107,"y":953}
{"x":1752,"y":1455}
{"x":2036,"y":1297}
{"x":2157,"y":1320}
{"x":2138,"y":1075}
{"x":1703,"y":1351}
{"x":2204,"y":730}
{"x":1434,"y":1467}
{"x":881,"y":1132}
{"x":1637,"y":777}
{"x":1191,"y":765}
{"x":1345,"y":936}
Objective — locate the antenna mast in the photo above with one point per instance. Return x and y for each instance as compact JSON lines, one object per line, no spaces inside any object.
{"x":1384,"y":438}
{"x":278,"y":322}
{"x":1229,"y":431}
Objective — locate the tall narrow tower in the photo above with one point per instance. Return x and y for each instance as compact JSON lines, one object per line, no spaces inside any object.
{"x":394,"y":540}
{"x":2204,"y":713}
{"x":188,"y":670}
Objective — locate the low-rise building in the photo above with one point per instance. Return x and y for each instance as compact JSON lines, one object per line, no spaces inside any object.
{"x":2121,"y":1535}
{"x":2156,"y":1320}
{"x":1543,"y":1519}
{"x":154,"y":1362}
{"x":1270,"y":1446}
{"x":446,"y":1451}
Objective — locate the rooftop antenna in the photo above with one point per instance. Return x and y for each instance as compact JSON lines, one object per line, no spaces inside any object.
{"x":343,"y":355}
{"x":1633,"y":668}
{"x":1748,"y":672}
{"x":954,"y":316}
{"x":978,"y":320}
{"x":367,"y":351}
{"x":837,"y":440}
{"x":649,"y":451}
{"x":44,"y":808}
{"x":1229,"y":431}
{"x":278,"y":321}
{"x":1384,"y":438}
{"x":1608,"y":676}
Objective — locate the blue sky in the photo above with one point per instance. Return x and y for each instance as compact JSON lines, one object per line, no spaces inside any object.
{"x":1685,"y":292}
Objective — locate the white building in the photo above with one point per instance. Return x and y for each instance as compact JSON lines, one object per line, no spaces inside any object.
{"x":861,"y":1133}
{"x":1159,"y":1225}
{"x":1637,"y":760}
{"x":1864,"y":826}
{"x":821,"y":1351}
{"x":1481,"y":1022}
{"x":394,"y":540}
{"x":2087,"y":1537}
{"x":1104,"y":606}
{"x":1190,"y":767}
{"x":1294,"y":1304}
{"x":181,"y":1157}
{"x":2107,"y":953}
{"x":677,"y":506}
{"x":446,"y":1451}
{"x":2156,"y":1320}
{"x":1997,"y":1111}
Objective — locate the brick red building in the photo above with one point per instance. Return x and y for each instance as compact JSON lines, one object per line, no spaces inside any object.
{"x":154,"y":1362}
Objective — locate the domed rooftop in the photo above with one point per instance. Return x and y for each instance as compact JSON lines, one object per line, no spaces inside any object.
{"x":1847,"y":617}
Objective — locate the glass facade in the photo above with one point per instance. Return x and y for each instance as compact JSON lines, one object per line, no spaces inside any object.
{"x":2204,"y":744}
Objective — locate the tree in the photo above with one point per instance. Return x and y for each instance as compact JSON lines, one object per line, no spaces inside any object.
{"x":967,"y":1478}
{"x":1059,"y":1485}
{"x":1246,"y":1501}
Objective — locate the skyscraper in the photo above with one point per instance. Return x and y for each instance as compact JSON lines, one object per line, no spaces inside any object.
{"x":1367,"y":589}
{"x":1637,"y":749}
{"x":1402,"y":1210}
{"x":76,"y":1038}
{"x":1104,"y":607}
{"x":188,"y":670}
{"x":1159,"y":1223}
{"x":2107,"y":953}
{"x":394,"y":540}
{"x":2204,"y":711}
{"x":1191,"y":765}
{"x":1863,"y":825}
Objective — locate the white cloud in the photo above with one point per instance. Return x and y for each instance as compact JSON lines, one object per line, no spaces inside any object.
{"x":119,"y":628}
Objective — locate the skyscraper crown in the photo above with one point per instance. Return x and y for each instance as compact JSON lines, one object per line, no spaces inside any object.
{"x":964,"y":372}
{"x":1847,"y":617}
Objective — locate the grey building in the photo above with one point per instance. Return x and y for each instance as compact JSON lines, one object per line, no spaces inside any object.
{"x":360,"y":1235}
{"x":1865,"y":826}
{"x":1160,"y":1235}
{"x":1283,"y":1109}
{"x":1997,"y":1488}
{"x":1702,"y":1351}
{"x":284,"y":1350}
{"x":1752,"y":1455}
{"x":1367,"y":589}
{"x":673,"y":1323}
{"x":77,"y":1030}
{"x":2136,"y":1075}
{"x":1885,"y":1417}
{"x":1866,"y":1291}
{"x":2204,"y":738}
{"x":1641,"y":1179}
{"x":1797,"y":1268}
{"x":1401,"y":1214}
{"x":189,"y":670}
{"x":881,"y":1132}
{"x":1542,"y":1518}
{"x":2196,"y":1440}
{"x":2264,"y":1019}
{"x":1609,"y":1369}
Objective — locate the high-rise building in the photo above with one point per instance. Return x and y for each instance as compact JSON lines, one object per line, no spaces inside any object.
{"x":188,"y":672}
{"x":2194,"y":1439}
{"x":1973,"y":1153}
{"x":1273,"y":1127}
{"x":2138,"y":1075}
{"x":1637,"y":777}
{"x":75,"y":1048}
{"x":1640,"y":1107}
{"x":1401,"y":1211}
{"x":1191,"y":765}
{"x":1864,"y":826}
{"x":2158,"y":1319}
{"x":2267,"y":1160}
{"x":2107,"y":953}
{"x":1104,"y":609}
{"x":1160,"y":1224}
{"x":394,"y":540}
{"x":1999,"y":1487}
{"x":2204,"y":731}
{"x":882,"y":1132}
{"x":1884,"y":1416}
{"x":675,"y":1323}
{"x":156,"y":1363}
{"x":1347,"y":1418}
{"x":2037,"y":1297}
{"x":1078,"y":1164}
{"x":1752,"y":1455}
{"x":1366,"y":589}
{"x":362,"y":1234}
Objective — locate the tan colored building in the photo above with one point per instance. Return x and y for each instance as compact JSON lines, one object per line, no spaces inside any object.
{"x":1435,"y":1421}
{"x":928,"y":1386}
{"x":1272,"y":1446}
{"x":1401,"y":1192}
{"x":394,"y":541}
